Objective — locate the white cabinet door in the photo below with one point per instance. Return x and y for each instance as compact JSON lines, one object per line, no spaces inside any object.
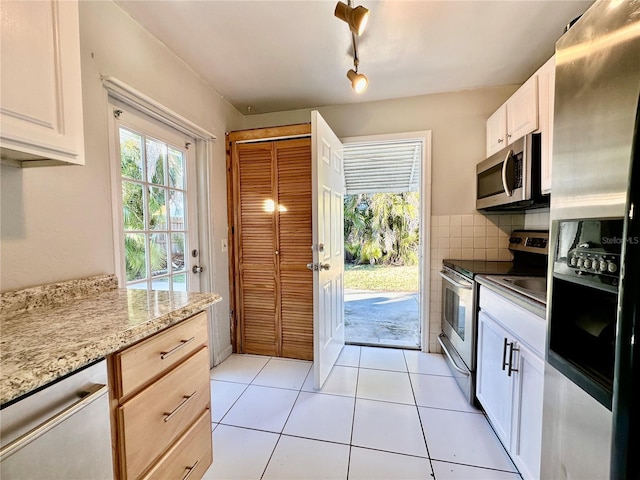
{"x":40,"y":85}
{"x":527,"y":416}
{"x":522,"y":110}
{"x":546,"y":97}
{"x":497,"y":131}
{"x":494,"y":387}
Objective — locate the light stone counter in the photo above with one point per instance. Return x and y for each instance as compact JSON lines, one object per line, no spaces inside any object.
{"x":47,"y":332}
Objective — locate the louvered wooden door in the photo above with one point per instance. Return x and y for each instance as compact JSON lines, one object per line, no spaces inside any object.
{"x":275,"y":297}
{"x":293,"y":164}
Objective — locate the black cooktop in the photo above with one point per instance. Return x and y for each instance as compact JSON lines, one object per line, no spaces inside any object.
{"x":471,"y":268}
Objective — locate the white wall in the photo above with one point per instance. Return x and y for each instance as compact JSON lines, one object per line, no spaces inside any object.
{"x":56,"y":221}
{"x":456,"y":120}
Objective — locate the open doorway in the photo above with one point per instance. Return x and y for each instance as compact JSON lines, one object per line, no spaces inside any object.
{"x":384,"y":212}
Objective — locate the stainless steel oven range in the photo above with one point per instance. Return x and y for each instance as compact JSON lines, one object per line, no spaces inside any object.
{"x":459,"y":300}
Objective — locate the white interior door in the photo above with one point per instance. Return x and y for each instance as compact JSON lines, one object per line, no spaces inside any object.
{"x":328,"y":256}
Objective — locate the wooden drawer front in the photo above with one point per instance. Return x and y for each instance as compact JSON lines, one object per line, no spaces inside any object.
{"x":147,"y":429}
{"x":148,"y":359}
{"x":189,"y":457}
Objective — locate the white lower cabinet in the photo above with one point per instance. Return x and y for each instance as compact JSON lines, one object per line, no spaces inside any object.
{"x":510,"y":378}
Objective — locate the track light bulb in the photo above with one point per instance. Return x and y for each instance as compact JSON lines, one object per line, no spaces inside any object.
{"x":359,"y":82}
{"x":355,"y":17}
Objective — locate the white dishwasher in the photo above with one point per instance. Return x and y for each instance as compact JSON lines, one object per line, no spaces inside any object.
{"x":61,"y":431}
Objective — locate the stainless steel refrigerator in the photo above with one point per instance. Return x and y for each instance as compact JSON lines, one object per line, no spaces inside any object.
{"x":590,"y":427}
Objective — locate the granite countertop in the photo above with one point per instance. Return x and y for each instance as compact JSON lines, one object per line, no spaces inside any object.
{"x":49,"y":331}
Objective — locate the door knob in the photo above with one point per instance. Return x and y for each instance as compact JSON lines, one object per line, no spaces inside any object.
{"x":312,"y":266}
{"x":325,"y":266}
{"x":197,"y":269}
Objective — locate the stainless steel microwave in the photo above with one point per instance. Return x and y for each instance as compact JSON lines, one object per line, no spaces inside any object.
{"x":510,"y":178}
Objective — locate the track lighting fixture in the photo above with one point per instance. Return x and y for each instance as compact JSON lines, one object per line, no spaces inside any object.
{"x":357,"y":20}
{"x":359,"y":82}
{"x":355,"y":17}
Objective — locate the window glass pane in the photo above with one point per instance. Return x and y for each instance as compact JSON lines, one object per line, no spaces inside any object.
{"x":157,"y":208}
{"x":176,"y":208}
{"x":135,"y":256}
{"x":160,"y":283}
{"x":156,"y":158}
{"x":132,"y":206}
{"x":130,"y":154}
{"x":138,"y":286}
{"x":158,"y":254}
{"x":177,"y":252}
{"x":180,"y":283}
{"x":176,"y":169}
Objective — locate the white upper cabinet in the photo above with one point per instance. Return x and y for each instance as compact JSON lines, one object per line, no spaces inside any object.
{"x":522,"y":110}
{"x":546,"y":96}
{"x":497,"y":131}
{"x":40,"y":85}
{"x":517,"y":117}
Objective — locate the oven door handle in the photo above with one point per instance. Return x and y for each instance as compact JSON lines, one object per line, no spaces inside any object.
{"x":452,"y":280}
{"x":450,"y":357}
{"x":505,"y":163}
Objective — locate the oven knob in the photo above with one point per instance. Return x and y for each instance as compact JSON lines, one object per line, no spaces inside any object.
{"x":603,"y":265}
{"x":580,"y":262}
{"x":612,"y":267}
{"x":573,"y":261}
{"x":586,"y":263}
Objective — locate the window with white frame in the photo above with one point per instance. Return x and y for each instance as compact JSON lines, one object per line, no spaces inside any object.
{"x":157,"y":216}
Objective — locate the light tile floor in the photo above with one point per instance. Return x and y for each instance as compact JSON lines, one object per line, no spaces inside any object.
{"x":382,"y":414}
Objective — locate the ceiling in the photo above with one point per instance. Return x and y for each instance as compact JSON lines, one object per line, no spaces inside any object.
{"x":266,"y":56}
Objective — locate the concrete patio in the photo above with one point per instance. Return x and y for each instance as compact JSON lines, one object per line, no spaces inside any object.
{"x":382,"y":318}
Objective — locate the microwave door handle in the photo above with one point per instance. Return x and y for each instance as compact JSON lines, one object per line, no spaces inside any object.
{"x":505,"y":163}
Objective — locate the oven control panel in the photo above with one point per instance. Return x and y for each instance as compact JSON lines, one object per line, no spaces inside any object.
{"x":529,"y":241}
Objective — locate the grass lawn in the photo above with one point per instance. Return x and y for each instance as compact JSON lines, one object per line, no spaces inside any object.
{"x":382,"y":278}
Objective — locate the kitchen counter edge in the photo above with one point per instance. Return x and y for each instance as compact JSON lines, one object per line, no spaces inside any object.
{"x":40,"y":345}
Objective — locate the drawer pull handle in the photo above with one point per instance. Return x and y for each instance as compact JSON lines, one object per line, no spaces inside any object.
{"x":504,"y":355}
{"x":191,"y":470}
{"x":186,"y":398}
{"x":511,"y":350}
{"x":164,"y":355}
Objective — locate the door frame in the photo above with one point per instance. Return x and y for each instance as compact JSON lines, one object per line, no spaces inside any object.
{"x":232,"y":139}
{"x":425,"y":218}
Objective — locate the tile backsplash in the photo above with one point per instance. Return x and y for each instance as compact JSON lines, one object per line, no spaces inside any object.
{"x":471,"y":237}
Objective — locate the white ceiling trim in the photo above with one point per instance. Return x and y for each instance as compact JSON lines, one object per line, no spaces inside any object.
{"x":383,"y":167}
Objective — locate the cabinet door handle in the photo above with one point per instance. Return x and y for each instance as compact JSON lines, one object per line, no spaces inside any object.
{"x":504,"y":354}
{"x":190,"y":470}
{"x":182,"y":343}
{"x":511,"y":350}
{"x":186,"y":398}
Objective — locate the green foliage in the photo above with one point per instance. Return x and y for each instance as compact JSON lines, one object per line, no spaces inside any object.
{"x":382,"y":228}
{"x":133,"y":200}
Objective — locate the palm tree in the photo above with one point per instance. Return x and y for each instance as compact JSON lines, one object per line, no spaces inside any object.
{"x":382,"y":228}
{"x":135,"y":244}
